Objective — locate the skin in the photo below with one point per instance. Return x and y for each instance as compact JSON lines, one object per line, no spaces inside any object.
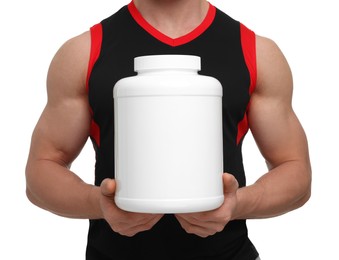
{"x":63,"y":130}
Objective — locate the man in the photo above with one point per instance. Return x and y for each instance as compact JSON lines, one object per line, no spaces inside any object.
{"x":257,"y":86}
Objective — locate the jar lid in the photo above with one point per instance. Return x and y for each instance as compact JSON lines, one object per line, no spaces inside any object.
{"x":152,"y":62}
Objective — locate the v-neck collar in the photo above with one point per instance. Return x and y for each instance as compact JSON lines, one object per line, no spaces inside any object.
{"x":200,"y":29}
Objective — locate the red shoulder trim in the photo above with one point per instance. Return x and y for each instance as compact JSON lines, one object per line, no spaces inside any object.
{"x":96,"y":40}
{"x":249,"y":50}
{"x":166,"y":39}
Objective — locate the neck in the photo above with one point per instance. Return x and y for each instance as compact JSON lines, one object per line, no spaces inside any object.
{"x":173,"y":18}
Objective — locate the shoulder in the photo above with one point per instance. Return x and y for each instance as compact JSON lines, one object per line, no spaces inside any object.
{"x":274,"y":75}
{"x":77,"y":47}
{"x":68,"y":68}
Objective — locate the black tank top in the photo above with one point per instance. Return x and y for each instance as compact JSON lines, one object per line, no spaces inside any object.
{"x":227,"y":51}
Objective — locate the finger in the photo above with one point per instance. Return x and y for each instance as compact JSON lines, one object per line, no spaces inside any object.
{"x":230,"y":183}
{"x":201,"y":231}
{"x":195,"y":219}
{"x":147,"y":224}
{"x":108,"y":187}
{"x":135,"y":219}
{"x":206,"y":223}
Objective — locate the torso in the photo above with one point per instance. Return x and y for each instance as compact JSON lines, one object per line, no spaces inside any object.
{"x":218,"y":41}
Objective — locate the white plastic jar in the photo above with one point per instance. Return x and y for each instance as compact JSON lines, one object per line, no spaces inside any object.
{"x":168,"y":137}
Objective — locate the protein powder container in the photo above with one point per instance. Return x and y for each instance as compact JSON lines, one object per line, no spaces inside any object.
{"x":168,"y":137}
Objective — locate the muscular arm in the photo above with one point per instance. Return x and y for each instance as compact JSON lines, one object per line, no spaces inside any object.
{"x":282,"y":142}
{"x":280,"y":138}
{"x":59,"y":136}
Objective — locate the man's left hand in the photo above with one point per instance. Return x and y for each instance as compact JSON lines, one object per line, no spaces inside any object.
{"x":208,"y":223}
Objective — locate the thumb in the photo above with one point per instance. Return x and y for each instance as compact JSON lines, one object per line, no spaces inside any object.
{"x":231,"y":184}
{"x":108,"y":187}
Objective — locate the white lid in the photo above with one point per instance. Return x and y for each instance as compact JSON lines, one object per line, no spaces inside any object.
{"x":152,"y":62}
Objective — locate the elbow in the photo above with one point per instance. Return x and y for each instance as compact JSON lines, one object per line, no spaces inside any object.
{"x":33,"y":198}
{"x":305,"y":198}
{"x":306,"y":189}
{"x":30,"y":196}
{"x":29,"y":192}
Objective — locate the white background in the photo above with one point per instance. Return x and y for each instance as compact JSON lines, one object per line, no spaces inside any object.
{"x":32,"y":31}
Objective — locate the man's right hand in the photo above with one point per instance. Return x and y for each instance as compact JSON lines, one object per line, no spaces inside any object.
{"x":123,"y":222}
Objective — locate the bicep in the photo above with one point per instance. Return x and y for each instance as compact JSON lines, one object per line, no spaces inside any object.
{"x":60,"y":133}
{"x":273,"y":123}
{"x":277,"y":132}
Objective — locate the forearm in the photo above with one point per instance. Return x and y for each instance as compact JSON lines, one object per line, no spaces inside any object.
{"x":279,"y":191}
{"x":55,"y":188}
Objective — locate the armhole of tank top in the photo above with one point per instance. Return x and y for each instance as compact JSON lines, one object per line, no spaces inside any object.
{"x":249,"y":51}
{"x":96,"y":40}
